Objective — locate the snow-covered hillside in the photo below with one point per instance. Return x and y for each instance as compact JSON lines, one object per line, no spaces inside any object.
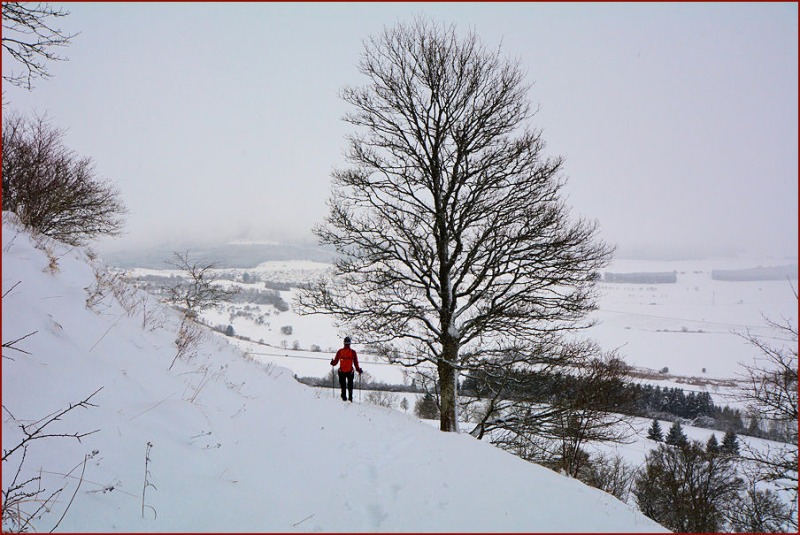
{"x":223,"y":443}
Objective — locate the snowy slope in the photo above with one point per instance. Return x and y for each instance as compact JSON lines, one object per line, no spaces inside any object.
{"x":236,"y":445}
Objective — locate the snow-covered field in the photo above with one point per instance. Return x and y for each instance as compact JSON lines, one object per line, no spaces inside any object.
{"x":222,"y":442}
{"x":692,"y":327}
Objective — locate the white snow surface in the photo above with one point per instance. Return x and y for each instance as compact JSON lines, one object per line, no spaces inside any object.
{"x":237,"y":445}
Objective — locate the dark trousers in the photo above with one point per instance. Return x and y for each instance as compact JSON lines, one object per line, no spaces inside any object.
{"x":346,"y":382}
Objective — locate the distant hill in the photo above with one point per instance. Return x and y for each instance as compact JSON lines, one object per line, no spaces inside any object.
{"x":241,"y":255}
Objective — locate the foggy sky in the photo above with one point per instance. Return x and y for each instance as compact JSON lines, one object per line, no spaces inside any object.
{"x":221,"y":121}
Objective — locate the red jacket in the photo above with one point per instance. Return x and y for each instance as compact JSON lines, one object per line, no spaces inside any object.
{"x":348,"y":358}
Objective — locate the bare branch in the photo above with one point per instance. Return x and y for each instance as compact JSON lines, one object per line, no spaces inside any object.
{"x":12,"y":288}
{"x":18,"y":493}
{"x":35,"y":431}
{"x":770,"y":391}
{"x":29,"y":37}
{"x":72,"y":499}
{"x":12,"y":343}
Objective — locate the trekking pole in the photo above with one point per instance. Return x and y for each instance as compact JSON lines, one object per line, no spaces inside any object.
{"x":333,"y":382}
{"x":359,"y":388}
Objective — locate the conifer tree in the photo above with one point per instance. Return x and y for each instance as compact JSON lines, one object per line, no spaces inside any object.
{"x":730,"y":443}
{"x":426,"y":407}
{"x":655,"y":432}
{"x":676,"y":436}
{"x":712,"y":446}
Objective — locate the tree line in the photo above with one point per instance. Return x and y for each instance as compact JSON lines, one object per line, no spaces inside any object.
{"x":691,"y":487}
{"x":163,"y":285}
{"x":630,"y":398}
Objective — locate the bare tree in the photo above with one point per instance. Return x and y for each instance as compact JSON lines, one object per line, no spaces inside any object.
{"x":29,"y":37}
{"x":191,"y":297}
{"x":548,"y":416}
{"x":53,"y":190}
{"x":455,"y":247}
{"x":199,"y":291}
{"x":686,"y":489}
{"x":592,"y":411}
{"x":758,"y":509}
{"x":770,"y":390}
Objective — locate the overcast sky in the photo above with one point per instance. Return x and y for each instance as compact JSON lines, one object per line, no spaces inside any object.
{"x":222,"y":121}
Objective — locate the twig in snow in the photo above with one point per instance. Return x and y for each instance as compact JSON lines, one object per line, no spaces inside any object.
{"x":80,"y":481}
{"x":306,"y":518}
{"x":147,"y":482}
{"x":10,"y":345}
{"x":105,"y":333}
{"x":151,"y":408}
{"x":9,"y":290}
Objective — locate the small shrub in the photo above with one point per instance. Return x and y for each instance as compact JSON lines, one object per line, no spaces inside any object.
{"x":51,"y":188}
{"x":426,"y":407}
{"x":382,"y":399}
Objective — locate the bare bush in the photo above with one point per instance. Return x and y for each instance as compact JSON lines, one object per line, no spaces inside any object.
{"x":759,"y":509}
{"x":551,"y":414}
{"x":52,"y":189}
{"x":193,"y":390}
{"x":771,"y":391}
{"x":189,"y":337}
{"x":610,"y":473}
{"x":191,"y":297}
{"x":382,"y":399}
{"x":109,"y":284}
{"x":686,"y":489}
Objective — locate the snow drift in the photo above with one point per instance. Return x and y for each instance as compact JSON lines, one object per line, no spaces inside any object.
{"x":234,"y":445}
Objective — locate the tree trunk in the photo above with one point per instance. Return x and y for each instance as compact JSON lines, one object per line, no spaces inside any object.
{"x":448,"y":376}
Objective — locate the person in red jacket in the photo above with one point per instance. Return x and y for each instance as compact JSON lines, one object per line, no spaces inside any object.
{"x":348,"y":360}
